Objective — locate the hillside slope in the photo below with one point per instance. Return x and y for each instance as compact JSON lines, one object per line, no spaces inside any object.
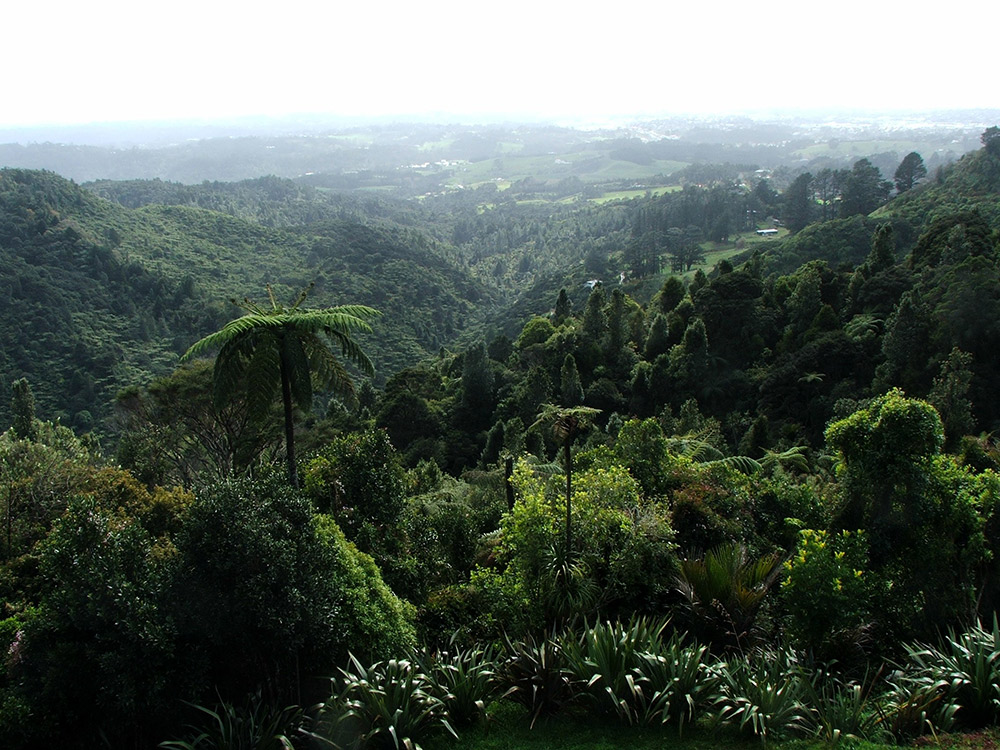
{"x":97,"y":296}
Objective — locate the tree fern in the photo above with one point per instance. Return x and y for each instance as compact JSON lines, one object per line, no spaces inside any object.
{"x":287,"y":348}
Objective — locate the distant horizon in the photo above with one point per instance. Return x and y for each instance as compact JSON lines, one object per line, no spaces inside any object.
{"x":461,"y":117}
{"x":133,"y":132}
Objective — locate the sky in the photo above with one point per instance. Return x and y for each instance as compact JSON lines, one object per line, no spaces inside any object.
{"x":72,"y":62}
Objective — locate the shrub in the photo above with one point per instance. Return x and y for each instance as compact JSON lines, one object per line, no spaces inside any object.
{"x":254,"y":725}
{"x":100,"y":654}
{"x":359,"y":480}
{"x":828,"y":594}
{"x":388,"y":705}
{"x":266,"y":588}
{"x":464,"y":679}
{"x":967,"y":667}
{"x":763,"y":695}
{"x":535,"y":675}
{"x":623,"y":557}
{"x":680,"y":682}
{"x":603,"y":661}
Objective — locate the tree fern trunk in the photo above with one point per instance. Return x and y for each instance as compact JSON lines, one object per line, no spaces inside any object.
{"x":569,"y":494}
{"x":286,"y":402}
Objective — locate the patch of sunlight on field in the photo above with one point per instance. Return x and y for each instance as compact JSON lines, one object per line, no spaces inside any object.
{"x":835,"y":148}
{"x":436,"y":145}
{"x":620,"y":195}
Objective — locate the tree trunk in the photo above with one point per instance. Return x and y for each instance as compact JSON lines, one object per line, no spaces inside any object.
{"x":508,"y":472}
{"x":569,"y":492}
{"x":286,"y":402}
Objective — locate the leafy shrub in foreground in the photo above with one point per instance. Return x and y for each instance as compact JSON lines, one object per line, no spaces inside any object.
{"x":603,"y":661}
{"x":99,"y":655}
{"x":465,"y":681}
{"x":622,"y":557}
{"x":390,"y":704}
{"x":535,"y":675}
{"x":844,"y":711}
{"x":763,"y":695}
{"x":967,"y":667}
{"x":252,"y":726}
{"x":829,"y":593}
{"x":680,"y":681}
{"x":273,"y":594}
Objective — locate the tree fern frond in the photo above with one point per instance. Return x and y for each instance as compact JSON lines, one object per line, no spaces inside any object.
{"x":795,"y":457}
{"x":694,"y":446}
{"x":262,"y":378}
{"x":263,"y":346}
{"x":328,"y":371}
{"x":299,"y":374}
{"x":230,"y":370}
{"x":342,"y":384}
{"x":353,"y":318}
{"x":345,"y":319}
{"x":232,"y":330}
{"x":742,"y":464}
{"x":321,"y":361}
{"x":339,"y":380}
{"x":350,"y":349}
{"x":361,"y":312}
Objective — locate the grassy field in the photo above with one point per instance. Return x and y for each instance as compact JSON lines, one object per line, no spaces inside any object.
{"x":510,"y":147}
{"x":588,"y":166}
{"x":436,"y":145}
{"x":855,"y":149}
{"x":644,"y":289}
{"x":620,"y":195}
{"x":354,"y":139}
{"x":509,"y":731}
{"x":716,"y":251}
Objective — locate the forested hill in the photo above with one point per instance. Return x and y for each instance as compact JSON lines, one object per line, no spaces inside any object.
{"x":108,"y":283}
{"x":905,"y":296}
{"x":96,"y":295}
{"x":969,"y":186}
{"x":971,"y":183}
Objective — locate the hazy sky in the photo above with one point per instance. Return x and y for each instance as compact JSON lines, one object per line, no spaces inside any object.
{"x":108,"y":60}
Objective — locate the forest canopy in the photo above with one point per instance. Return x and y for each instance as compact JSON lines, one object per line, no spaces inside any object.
{"x":745,"y":424}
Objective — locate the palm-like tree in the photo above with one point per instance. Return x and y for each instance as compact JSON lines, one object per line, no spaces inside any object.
{"x":566,"y":424}
{"x":725,"y":589}
{"x":286,"y":347}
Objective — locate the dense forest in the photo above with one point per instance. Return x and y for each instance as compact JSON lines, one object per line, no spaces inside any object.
{"x":720,"y":455}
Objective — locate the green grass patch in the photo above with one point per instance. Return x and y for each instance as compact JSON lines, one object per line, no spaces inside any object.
{"x":587,"y":165}
{"x":509,"y":147}
{"x":509,"y":730}
{"x":860,"y":148}
{"x":355,"y":139}
{"x":613,"y":169}
{"x":624,"y":195}
{"x":444,"y":143}
{"x":752,"y":238}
